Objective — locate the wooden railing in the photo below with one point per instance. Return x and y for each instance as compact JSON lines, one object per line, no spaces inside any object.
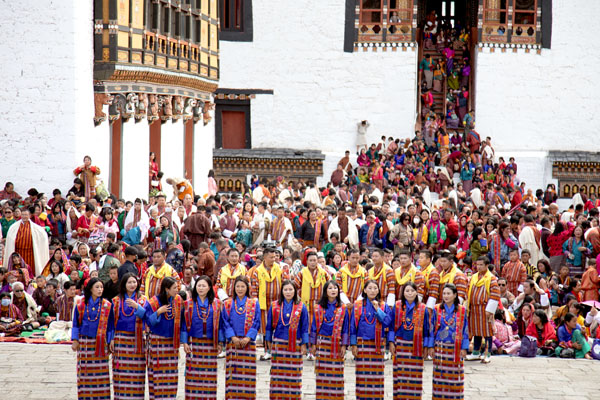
{"x":419,"y":76}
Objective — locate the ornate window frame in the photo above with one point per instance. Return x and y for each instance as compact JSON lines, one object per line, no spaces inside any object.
{"x":381,"y":32}
{"x":500,"y":26}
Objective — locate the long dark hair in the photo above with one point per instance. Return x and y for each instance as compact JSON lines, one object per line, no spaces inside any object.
{"x":452,"y":287}
{"x":60,"y":267}
{"x":364,"y":293}
{"x":211,"y":292}
{"x":87,"y":291}
{"x":475,"y":235}
{"x":244,"y":279}
{"x":123,"y":284}
{"x":403,"y":298}
{"x":282,"y":298}
{"x":324,"y":301}
{"x":567,"y":318}
{"x":542,"y":316}
{"x":164,"y":285}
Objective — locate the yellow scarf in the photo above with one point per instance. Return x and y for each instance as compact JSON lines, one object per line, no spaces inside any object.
{"x":485,"y":280}
{"x":309,"y":283}
{"x":263,"y":278}
{"x":426,"y":273}
{"x":162,"y":273}
{"x":346,"y":273}
{"x":449,"y":276}
{"x":408,"y":277}
{"x":372,"y":272}
{"x":227,"y":275}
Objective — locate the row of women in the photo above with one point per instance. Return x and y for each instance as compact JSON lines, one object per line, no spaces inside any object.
{"x":203,"y":324}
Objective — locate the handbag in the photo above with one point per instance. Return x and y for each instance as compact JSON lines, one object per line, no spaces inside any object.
{"x":567,"y":353}
{"x":596,"y":349}
{"x":528,"y":347}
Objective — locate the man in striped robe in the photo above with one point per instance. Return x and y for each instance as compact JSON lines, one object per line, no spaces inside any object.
{"x":351,"y":278}
{"x":483,"y":297}
{"x":29,"y":240}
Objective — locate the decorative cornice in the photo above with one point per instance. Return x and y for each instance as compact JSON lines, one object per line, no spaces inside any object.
{"x":162,"y":79}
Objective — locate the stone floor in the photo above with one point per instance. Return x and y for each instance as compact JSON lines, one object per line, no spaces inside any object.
{"x":29,"y":371}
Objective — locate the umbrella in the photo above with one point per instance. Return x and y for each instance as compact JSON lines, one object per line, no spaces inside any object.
{"x":592,"y":303}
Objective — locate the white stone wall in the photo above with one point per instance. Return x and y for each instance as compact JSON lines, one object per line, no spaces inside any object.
{"x":135,"y":161}
{"x":204,"y":142}
{"x":46,"y":61}
{"x":320,"y":91}
{"x":171,"y":150}
{"x":548,"y":101}
{"x":528,"y":103}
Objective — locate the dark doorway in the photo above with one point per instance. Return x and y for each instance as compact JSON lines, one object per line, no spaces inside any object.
{"x":453,"y":12}
{"x":234,"y":129}
{"x":232,"y":124}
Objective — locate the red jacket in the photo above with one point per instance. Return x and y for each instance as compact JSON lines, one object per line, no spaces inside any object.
{"x":549,"y":333}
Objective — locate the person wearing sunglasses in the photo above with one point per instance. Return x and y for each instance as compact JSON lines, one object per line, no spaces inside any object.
{"x":26,"y":305}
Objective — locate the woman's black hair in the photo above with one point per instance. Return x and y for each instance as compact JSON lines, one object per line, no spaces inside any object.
{"x":123,"y":284}
{"x":567,"y":318}
{"x":500,"y":316}
{"x":211,"y":291}
{"x":60,"y":267}
{"x":454,"y":290}
{"x":4,"y":294}
{"x":542,"y":316}
{"x":324,"y":301}
{"x":475,"y":234}
{"x":282,"y":298}
{"x":403,"y":298}
{"x":87,"y":291}
{"x":244,"y":279}
{"x":164,"y":285}
{"x":364,"y":293}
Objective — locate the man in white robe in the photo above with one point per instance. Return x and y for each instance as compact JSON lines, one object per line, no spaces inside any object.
{"x":334,"y":227}
{"x":528,"y":241}
{"x":39,"y":240}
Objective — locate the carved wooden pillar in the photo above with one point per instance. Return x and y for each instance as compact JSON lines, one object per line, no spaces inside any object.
{"x":492,"y":16}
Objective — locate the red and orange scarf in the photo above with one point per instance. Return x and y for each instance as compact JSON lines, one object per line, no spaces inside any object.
{"x":102,"y":324}
{"x":358,"y":306}
{"x":216,"y":307}
{"x":177,"y":304}
{"x":460,"y":322}
{"x":293,"y":325}
{"x":250,"y":312}
{"x":418,"y":317}
{"x":338,"y":322}
{"x":139,"y":324}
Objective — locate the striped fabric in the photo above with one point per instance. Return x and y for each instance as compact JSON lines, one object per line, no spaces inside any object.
{"x":129,"y":368}
{"x":448,"y":376}
{"x":201,"y":370}
{"x":329,"y":372}
{"x":24,"y":243}
{"x":355,"y":285}
{"x":408,"y":372}
{"x":478,"y":299}
{"x":163,"y":375}
{"x":286,"y":372}
{"x":272,"y":294}
{"x":93,"y":379}
{"x":386,"y":280}
{"x":240,"y":372}
{"x":369,"y":371}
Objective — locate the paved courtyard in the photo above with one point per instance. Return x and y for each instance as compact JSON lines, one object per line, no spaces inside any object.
{"x":29,"y":371}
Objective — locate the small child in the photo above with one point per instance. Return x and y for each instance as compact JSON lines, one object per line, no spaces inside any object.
{"x":244,"y":235}
{"x":532,"y":270}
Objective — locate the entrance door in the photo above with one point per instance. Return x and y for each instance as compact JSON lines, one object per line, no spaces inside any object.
{"x":234,"y":129}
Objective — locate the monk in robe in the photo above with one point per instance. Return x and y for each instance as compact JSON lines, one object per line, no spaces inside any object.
{"x":29,"y":240}
{"x":197,"y":227}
